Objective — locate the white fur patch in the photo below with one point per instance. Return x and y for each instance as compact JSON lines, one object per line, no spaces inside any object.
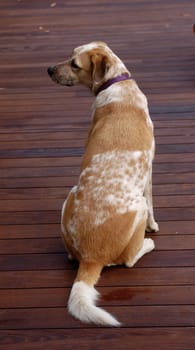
{"x":86,"y":48}
{"x":148,"y":246}
{"x":113,"y":184}
{"x":81,"y":305}
{"x":113,"y":93}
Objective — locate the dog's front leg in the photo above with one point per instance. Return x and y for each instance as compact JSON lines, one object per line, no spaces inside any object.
{"x":152,"y":225}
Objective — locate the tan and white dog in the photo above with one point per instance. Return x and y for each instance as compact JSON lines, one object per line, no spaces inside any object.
{"x":105,"y":216}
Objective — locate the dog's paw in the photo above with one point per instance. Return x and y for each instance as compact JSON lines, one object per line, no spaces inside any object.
{"x":148,"y":245}
{"x":152,"y":227}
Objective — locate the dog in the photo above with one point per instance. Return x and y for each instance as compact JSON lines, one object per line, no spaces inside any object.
{"x":105,"y":216}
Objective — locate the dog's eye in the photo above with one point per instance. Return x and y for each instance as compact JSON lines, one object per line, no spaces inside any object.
{"x":74,"y":65}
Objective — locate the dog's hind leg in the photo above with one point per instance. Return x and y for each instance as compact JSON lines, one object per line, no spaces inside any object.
{"x":64,"y":235}
{"x":148,"y":246}
{"x":152,"y":225}
{"x":137,"y":246}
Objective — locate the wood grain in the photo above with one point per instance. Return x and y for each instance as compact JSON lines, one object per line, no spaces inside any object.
{"x":43,"y":128}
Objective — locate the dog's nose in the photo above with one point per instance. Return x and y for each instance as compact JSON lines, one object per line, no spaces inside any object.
{"x":50,"y":71}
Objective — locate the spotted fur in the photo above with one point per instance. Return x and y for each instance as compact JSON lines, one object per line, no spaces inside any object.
{"x":105,"y":215}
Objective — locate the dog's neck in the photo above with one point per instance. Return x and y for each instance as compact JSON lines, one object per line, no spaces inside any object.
{"x":124,"y":76}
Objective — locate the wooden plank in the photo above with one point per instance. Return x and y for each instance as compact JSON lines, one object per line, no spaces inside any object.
{"x":162,"y":135}
{"x":184,"y":201}
{"x":163,"y":241}
{"x":109,"y":296}
{"x":35,"y":217}
{"x":76,"y":161}
{"x":40,"y":162}
{"x":65,"y":171}
{"x":29,"y":231}
{"x":6,"y":145}
{"x":179,"y":158}
{"x":19,"y":194}
{"x":185,"y":179}
{"x":40,"y":172}
{"x":53,"y":230}
{"x":177,"y":258}
{"x":77,"y":142}
{"x":43,"y":136}
{"x":78,"y":151}
{"x":39,"y":182}
{"x":36,"y":204}
{"x":176,"y":338}
{"x":141,"y":316}
{"x":43,"y":204}
{"x":42,"y":133}
{"x":41,"y":152}
{"x":55,"y":245}
{"x":31,"y":205}
{"x":32,"y":246}
{"x":53,"y":216}
{"x":173,"y":189}
{"x":29,"y":193}
{"x":53,"y":171}
{"x":171,"y":178}
{"x":116,"y":276}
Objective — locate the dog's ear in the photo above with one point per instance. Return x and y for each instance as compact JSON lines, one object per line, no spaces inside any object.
{"x":99,"y":67}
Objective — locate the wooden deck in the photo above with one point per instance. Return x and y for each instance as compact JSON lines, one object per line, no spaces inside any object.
{"x":42,"y":131}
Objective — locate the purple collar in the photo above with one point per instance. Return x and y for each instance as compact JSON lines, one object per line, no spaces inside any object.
{"x":124,"y":76}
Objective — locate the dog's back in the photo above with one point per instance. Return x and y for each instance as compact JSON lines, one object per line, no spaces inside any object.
{"x":105,"y":215}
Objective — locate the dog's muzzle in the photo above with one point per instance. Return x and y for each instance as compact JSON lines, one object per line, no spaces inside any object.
{"x":51,"y":71}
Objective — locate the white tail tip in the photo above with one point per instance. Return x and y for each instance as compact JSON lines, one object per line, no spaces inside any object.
{"x":81,"y":304}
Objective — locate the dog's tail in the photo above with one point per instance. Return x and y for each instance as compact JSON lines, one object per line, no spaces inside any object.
{"x":81,"y":303}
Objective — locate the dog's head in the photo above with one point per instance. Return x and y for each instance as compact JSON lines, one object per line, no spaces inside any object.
{"x":90,"y":65}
